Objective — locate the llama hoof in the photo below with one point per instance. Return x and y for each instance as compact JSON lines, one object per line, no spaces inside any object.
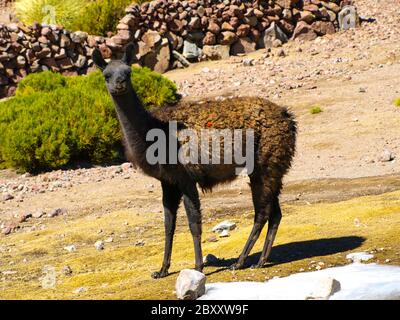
{"x":159,"y":275}
{"x":257,"y":266}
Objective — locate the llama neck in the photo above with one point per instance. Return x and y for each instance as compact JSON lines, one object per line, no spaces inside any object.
{"x":135,"y":123}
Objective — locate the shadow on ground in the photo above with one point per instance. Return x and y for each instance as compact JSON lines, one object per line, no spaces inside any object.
{"x":294,"y":251}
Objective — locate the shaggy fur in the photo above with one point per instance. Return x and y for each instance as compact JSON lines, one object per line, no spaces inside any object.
{"x":275,"y":139}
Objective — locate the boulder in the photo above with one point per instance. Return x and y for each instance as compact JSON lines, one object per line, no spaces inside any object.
{"x":190,"y":285}
{"x":348,"y":18}
{"x":304,"y":31}
{"x":191,"y":50}
{"x":217,"y":52}
{"x":270,"y":34}
{"x":243,"y":45}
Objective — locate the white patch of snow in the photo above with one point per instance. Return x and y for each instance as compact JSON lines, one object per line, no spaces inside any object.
{"x":357,"y":281}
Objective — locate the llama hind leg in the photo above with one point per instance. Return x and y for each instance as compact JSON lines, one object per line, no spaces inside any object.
{"x":192,"y":207}
{"x":171,"y":198}
{"x":273,"y":225}
{"x":262,"y":207}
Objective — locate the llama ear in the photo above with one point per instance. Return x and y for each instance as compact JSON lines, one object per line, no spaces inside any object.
{"x":128,"y":55}
{"x":98,"y":59}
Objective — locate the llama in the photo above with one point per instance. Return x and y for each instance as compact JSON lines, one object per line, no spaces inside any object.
{"x":274,"y":147}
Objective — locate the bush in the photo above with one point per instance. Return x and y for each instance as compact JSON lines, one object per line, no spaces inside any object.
{"x":49,"y":11}
{"x":315,"y":110}
{"x":96,"y":17}
{"x":397,"y":102}
{"x":101,"y":16}
{"x":54,"y":121}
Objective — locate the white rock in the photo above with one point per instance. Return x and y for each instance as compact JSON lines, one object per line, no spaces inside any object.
{"x":359,"y":257}
{"x":225,"y":225}
{"x":99,"y":245}
{"x":70,"y":248}
{"x":325,"y":288}
{"x":80,"y":290}
{"x":224,"y":234}
{"x":190,"y":285}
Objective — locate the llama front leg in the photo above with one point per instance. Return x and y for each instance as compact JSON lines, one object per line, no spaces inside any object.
{"x":171,"y":198}
{"x":192,"y":207}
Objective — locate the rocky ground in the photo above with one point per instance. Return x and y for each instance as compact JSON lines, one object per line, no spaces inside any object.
{"x":350,"y":149}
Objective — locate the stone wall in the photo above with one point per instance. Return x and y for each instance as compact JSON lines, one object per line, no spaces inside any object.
{"x":168,"y":34}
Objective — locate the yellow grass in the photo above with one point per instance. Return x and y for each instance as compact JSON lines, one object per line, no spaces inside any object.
{"x":321,"y":232}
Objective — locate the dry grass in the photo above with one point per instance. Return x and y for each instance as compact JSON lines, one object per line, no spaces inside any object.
{"x":320,"y":232}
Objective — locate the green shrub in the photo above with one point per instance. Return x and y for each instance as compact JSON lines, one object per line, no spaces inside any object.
{"x":101,"y":16}
{"x":49,"y":11}
{"x":54,"y":121}
{"x":315,"y":110}
{"x":397,"y":102}
{"x":96,"y":17}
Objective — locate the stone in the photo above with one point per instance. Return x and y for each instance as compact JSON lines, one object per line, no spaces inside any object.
{"x":323,"y":27}
{"x":243,"y":46}
{"x":217,"y":52}
{"x":190,"y":285}
{"x":348,"y":18}
{"x":324,"y":289}
{"x":70,"y":248}
{"x":7,"y":197}
{"x":358,"y":257}
{"x":224,"y":234}
{"x":209,"y":39}
{"x":151,"y":38}
{"x":304,"y":31}
{"x":214,"y":28}
{"x":99,"y":245}
{"x":191,"y":50}
{"x":224,"y":225}
{"x":243,"y":30}
{"x":386,"y":156}
{"x":273,"y":32}
{"x":79,"y":37}
{"x":57,"y":212}
{"x":227,"y":38}
{"x":67,"y":271}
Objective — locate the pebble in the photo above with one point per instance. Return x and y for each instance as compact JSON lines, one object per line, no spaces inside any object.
{"x":70,"y":248}
{"x":99,"y":245}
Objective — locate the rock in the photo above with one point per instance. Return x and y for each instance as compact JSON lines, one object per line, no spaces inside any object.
{"x":324,"y":289}
{"x":209,"y":39}
{"x":387,"y":156}
{"x":272,"y":33}
{"x":190,"y":285}
{"x":348,"y":18}
{"x":304,"y":31}
{"x":358,"y":257}
{"x":191,"y":50}
{"x":248,"y":62}
{"x":67,"y":271}
{"x":80,"y":290}
{"x":243,"y":46}
{"x":7,"y":197}
{"x":79,"y":37}
{"x":225,"y":225}
{"x":224,"y":234}
{"x":217,"y":52}
{"x":151,"y":38}
{"x":57,"y":212}
{"x":70,"y":248}
{"x":323,"y":27}
{"x":38,"y":214}
{"x":227,"y":38}
{"x":99,"y":245}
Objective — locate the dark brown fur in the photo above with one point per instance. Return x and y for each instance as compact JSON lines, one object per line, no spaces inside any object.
{"x":275,"y":140}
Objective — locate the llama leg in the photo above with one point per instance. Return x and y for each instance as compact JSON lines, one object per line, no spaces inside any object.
{"x":192,"y":206}
{"x":262,"y":209}
{"x":171,"y":198}
{"x":273,"y":225}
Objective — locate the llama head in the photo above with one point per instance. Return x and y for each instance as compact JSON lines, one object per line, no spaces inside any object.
{"x":117,"y":73}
